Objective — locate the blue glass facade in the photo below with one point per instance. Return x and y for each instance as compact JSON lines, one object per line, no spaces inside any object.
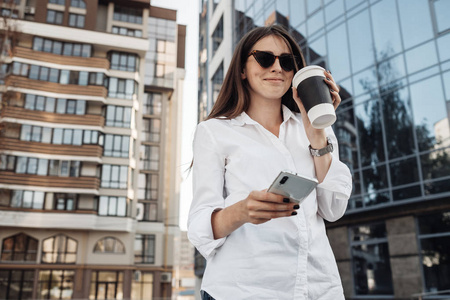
{"x":391,"y":59}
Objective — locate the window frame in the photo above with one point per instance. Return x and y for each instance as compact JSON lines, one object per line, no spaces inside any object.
{"x":60,"y":251}
{"x":26,"y":252}
{"x":145,"y":255}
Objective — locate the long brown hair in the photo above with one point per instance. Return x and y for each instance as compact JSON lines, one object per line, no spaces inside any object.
{"x":234,"y":96}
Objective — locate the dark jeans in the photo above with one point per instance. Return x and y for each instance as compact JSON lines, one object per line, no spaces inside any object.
{"x":206,"y":296}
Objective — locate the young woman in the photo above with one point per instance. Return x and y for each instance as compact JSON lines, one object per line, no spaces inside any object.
{"x":258,"y":245}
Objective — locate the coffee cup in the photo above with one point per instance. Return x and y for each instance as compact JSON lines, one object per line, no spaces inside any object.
{"x":315,"y":96}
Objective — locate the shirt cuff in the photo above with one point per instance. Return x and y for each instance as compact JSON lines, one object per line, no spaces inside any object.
{"x":201,"y":235}
{"x":338,"y":180}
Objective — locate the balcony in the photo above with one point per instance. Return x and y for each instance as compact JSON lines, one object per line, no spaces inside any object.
{"x":35,"y":147}
{"x":42,"y":116}
{"x":52,"y":87}
{"x":65,"y":221}
{"x":11,"y":178}
{"x":91,"y":62}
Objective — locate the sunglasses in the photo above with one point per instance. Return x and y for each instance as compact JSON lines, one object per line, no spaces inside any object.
{"x":267,"y":59}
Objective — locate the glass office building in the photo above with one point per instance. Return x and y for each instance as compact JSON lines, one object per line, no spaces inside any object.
{"x":391,"y":60}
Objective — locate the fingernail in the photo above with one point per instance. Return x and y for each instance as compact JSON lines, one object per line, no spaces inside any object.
{"x":296,"y":206}
{"x":332,"y":90}
{"x":286,"y":200}
{"x":328,"y":79}
{"x":293,"y":213}
{"x":329,"y":71}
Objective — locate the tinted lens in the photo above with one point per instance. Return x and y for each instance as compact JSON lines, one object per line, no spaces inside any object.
{"x":287,"y":62}
{"x":264,"y":59}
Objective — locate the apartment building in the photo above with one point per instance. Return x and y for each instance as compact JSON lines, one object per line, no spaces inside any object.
{"x":89,"y":184}
{"x":392,"y":63}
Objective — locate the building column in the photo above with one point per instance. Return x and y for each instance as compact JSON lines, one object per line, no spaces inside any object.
{"x":404,"y":257}
{"x":341,"y":250}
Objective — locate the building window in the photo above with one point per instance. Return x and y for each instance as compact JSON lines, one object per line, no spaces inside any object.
{"x":65,"y":201}
{"x":127,"y":14}
{"x":68,"y":77}
{"x":127,"y":31}
{"x":371,"y":264}
{"x":109,"y":245}
{"x":151,"y":130}
{"x":78,"y":3}
{"x":217,"y":81}
{"x":114,"y":177}
{"x":54,"y":17}
{"x":64,"y":168}
{"x":118,"y":116}
{"x":144,"y":249}
{"x":121,"y":88}
{"x":7,"y":162}
{"x":27,"y":199}
{"x":142,"y":286}
{"x":116,"y":145}
{"x":59,"y":2}
{"x":217,"y":35}
{"x":124,"y":61}
{"x":19,"y":247}
{"x":106,"y":285}
{"x":434,"y":236}
{"x":160,"y":70}
{"x":55,"y":284}
{"x":59,"y":249}
{"x":442,"y":21}
{"x":112,"y":206}
{"x":152,"y":104}
{"x":76,"y":20}
{"x":149,"y":158}
{"x":16,"y":284}
{"x":31,"y":165}
{"x":147,"y":186}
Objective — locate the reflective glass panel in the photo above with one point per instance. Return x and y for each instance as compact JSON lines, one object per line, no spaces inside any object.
{"x":421,"y":57}
{"x":398,"y":122}
{"x":428,"y":108}
{"x":370,"y":134}
{"x":386,"y":28}
{"x":338,"y":55}
{"x":441,"y":9}
{"x":361,"y":45}
{"x":415,"y":22}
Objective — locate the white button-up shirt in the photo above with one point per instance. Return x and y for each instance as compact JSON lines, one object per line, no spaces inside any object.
{"x":284,"y":258}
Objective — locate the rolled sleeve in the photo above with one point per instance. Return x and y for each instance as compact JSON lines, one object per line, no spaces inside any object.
{"x":335,"y":190}
{"x":208,"y":184}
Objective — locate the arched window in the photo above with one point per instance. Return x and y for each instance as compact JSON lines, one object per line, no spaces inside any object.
{"x":59,"y":249}
{"x":19,"y":247}
{"x":109,"y":245}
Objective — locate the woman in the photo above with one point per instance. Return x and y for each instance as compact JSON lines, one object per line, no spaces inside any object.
{"x":259,"y":245}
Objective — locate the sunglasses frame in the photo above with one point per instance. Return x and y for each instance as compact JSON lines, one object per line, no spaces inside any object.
{"x":275,"y":57}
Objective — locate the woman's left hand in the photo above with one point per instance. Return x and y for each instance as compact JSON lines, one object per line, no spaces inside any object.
{"x":317,"y":137}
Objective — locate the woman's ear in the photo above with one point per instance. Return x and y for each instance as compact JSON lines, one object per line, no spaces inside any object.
{"x":243,"y":75}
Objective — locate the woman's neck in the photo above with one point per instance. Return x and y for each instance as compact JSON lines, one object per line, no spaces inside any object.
{"x":268,"y":114}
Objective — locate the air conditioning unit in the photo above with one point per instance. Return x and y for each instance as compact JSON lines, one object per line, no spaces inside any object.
{"x":166,"y":277}
{"x":29,"y":10}
{"x":137,"y":275}
{"x":139,"y":211}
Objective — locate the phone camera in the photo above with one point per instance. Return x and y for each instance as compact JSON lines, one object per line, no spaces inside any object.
{"x":284,"y":179}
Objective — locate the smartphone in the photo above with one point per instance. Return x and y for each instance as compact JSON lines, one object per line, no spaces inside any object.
{"x":293,"y":186}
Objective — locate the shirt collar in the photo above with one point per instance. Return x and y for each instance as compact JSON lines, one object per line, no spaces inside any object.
{"x":243,"y":118}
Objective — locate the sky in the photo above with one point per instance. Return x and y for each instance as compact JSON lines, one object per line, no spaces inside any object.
{"x":187,"y":14}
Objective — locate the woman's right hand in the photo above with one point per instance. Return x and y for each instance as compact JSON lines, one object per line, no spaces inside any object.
{"x":262,"y":206}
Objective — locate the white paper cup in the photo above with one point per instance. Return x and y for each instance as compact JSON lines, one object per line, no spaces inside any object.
{"x":315,"y":96}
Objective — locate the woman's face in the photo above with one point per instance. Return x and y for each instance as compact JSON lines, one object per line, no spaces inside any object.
{"x":268,"y":83}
